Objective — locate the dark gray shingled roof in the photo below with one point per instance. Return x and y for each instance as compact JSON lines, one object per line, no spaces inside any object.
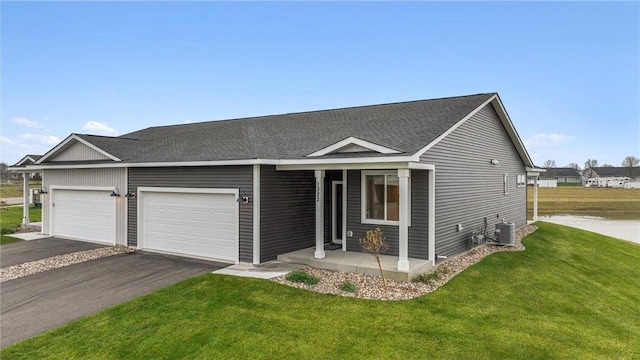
{"x":564,"y":172}
{"x":405,"y":126}
{"x":611,"y":171}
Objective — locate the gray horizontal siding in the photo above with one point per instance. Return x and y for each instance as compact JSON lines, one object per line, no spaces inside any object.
{"x":287,"y":211}
{"x":235,"y":177}
{"x":468,"y":187}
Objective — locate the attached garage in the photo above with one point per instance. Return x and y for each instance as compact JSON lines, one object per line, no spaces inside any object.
{"x":84,"y":213}
{"x":201,"y":223}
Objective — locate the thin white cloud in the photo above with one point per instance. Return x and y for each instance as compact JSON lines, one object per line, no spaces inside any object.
{"x":28,"y":123}
{"x":44,"y":139}
{"x":546,"y":140}
{"x":6,"y":140}
{"x":98,"y":128}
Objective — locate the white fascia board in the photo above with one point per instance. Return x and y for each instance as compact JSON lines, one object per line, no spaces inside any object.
{"x":353,"y":141}
{"x":451,"y":129}
{"x":27,"y":157}
{"x":309,"y":163}
{"x":511,"y":130}
{"x":79,"y":139}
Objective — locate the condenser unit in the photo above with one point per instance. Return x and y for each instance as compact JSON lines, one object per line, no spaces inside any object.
{"x":506,"y":233}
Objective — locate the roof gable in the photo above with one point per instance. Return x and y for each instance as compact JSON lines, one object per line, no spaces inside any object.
{"x":27,"y":160}
{"x":76,"y":149}
{"x":353,"y":145}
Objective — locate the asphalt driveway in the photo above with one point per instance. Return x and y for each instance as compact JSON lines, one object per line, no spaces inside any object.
{"x":34,"y":304}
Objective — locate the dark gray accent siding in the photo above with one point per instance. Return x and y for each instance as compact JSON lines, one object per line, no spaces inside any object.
{"x":233,"y":177}
{"x":468,"y":187}
{"x":287,"y":211}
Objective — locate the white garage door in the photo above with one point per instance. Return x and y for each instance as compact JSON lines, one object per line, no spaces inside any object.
{"x":84,"y":215}
{"x":195,"y":224}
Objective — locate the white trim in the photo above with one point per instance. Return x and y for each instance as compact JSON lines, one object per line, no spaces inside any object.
{"x":334,"y":207}
{"x":353,"y":141}
{"x":511,"y":130}
{"x":363,"y":198}
{"x":256,"y":214}
{"x":319,"y":197}
{"x":140,"y":218}
{"x":344,"y":210}
{"x":52,"y":191}
{"x":506,"y":184}
{"x":386,"y":162}
{"x":25,"y":199}
{"x":431,"y":217}
{"x":79,"y":139}
{"x":403,"y":216}
{"x":126,"y":208}
{"x":25,"y":158}
{"x":451,"y":129}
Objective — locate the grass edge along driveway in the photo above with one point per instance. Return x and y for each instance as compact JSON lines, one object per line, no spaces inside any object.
{"x":571,"y":295}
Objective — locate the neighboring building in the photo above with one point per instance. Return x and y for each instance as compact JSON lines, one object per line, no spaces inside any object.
{"x":247,"y":190}
{"x":563,"y":175}
{"x":613,"y":172}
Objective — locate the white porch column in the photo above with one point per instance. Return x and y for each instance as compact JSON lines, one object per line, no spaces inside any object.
{"x":403,"y":231}
{"x":319,"y":254}
{"x":535,"y":198}
{"x":432,"y":216}
{"x":25,"y":199}
{"x":344,"y":210}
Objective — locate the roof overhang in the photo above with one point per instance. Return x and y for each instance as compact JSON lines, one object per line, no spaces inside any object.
{"x":506,"y":122}
{"x":378,"y":162}
{"x":67,"y":142}
{"x":533,"y":171}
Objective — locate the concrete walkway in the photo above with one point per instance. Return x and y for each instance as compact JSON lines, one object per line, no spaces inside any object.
{"x":13,"y":200}
{"x":267,"y":270}
{"x":621,"y":229}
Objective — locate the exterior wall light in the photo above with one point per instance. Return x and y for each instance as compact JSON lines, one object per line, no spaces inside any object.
{"x":115,"y":192}
{"x":130,"y":194}
{"x":43,"y":190}
{"x":243,"y":199}
{"x":495,"y":162}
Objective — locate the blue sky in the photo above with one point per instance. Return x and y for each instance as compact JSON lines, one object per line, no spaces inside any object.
{"x":568,"y":73}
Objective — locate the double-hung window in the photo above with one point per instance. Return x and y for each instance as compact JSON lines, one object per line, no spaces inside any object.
{"x":380,"y":198}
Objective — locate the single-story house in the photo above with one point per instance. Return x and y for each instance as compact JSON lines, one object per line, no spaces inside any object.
{"x":563,"y":175}
{"x":247,"y":190}
{"x":612,"y":172}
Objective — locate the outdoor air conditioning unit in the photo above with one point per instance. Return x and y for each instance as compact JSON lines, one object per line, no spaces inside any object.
{"x":506,"y":233}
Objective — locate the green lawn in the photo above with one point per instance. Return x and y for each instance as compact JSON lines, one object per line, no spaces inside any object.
{"x":15,"y":189}
{"x":12,"y":219}
{"x":571,"y":295}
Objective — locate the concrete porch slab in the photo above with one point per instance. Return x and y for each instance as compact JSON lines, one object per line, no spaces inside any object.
{"x":357,"y":262}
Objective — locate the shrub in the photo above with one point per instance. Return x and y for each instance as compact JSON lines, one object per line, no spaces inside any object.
{"x":374,"y":243}
{"x":433,"y":276}
{"x":302,"y":277}
{"x":347,"y":286}
{"x":5,"y":231}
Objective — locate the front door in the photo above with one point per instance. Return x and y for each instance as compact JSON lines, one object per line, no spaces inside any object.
{"x":336,"y":211}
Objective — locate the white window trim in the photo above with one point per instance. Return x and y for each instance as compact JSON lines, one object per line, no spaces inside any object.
{"x":363,"y":200}
{"x":506,"y":184}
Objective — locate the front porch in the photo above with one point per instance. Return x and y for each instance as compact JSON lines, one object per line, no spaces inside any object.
{"x":357,"y":262}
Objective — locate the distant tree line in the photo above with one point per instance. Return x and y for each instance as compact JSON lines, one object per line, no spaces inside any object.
{"x":629,"y":162}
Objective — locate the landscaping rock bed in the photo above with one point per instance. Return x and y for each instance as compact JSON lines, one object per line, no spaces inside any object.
{"x":27,"y":229}
{"x":371,"y":287}
{"x":34,"y":267}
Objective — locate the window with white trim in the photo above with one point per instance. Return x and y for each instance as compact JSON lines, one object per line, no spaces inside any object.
{"x":381,"y":198}
{"x":521,"y":180}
